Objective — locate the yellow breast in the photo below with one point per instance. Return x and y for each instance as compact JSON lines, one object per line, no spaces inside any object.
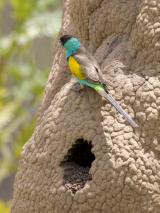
{"x":75,"y":68}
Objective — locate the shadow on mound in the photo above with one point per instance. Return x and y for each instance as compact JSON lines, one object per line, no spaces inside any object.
{"x":76,"y":165}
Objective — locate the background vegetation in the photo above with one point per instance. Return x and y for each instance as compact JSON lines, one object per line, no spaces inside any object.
{"x":28,"y":29}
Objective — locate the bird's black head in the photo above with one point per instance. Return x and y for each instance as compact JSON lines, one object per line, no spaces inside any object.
{"x":65,"y":38}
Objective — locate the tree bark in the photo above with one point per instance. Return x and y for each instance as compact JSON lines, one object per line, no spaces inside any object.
{"x":125,"y":174}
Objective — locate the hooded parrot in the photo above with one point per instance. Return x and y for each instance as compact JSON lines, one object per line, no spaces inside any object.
{"x":85,"y":69}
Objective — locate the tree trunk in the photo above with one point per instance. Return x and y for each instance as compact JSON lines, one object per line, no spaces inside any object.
{"x":83,"y":156}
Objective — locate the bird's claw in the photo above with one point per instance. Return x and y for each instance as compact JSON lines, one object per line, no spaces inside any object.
{"x":77,"y":87}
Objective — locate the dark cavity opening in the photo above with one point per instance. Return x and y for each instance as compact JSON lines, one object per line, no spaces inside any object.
{"x":76,"y":165}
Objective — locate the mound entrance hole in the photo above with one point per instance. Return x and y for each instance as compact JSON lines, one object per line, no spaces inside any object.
{"x":76,"y":165}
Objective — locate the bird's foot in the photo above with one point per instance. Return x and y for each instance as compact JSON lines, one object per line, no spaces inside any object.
{"x":77,"y":87}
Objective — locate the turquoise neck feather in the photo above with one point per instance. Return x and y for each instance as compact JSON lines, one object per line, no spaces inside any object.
{"x":69,"y":53}
{"x":72,"y":46}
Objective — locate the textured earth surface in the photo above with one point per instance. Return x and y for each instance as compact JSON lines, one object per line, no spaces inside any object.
{"x":124,"y":177}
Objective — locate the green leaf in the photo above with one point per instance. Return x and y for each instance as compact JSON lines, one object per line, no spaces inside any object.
{"x":23,"y":9}
{"x":4,"y":207}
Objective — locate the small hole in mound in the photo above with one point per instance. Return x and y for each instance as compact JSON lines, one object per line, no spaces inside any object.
{"x":76,"y":165}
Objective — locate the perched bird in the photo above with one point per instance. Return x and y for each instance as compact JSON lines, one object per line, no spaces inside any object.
{"x":85,"y":68}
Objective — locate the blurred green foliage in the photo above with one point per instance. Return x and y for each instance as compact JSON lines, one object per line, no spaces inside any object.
{"x":4,"y":207}
{"x":21,"y":80}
